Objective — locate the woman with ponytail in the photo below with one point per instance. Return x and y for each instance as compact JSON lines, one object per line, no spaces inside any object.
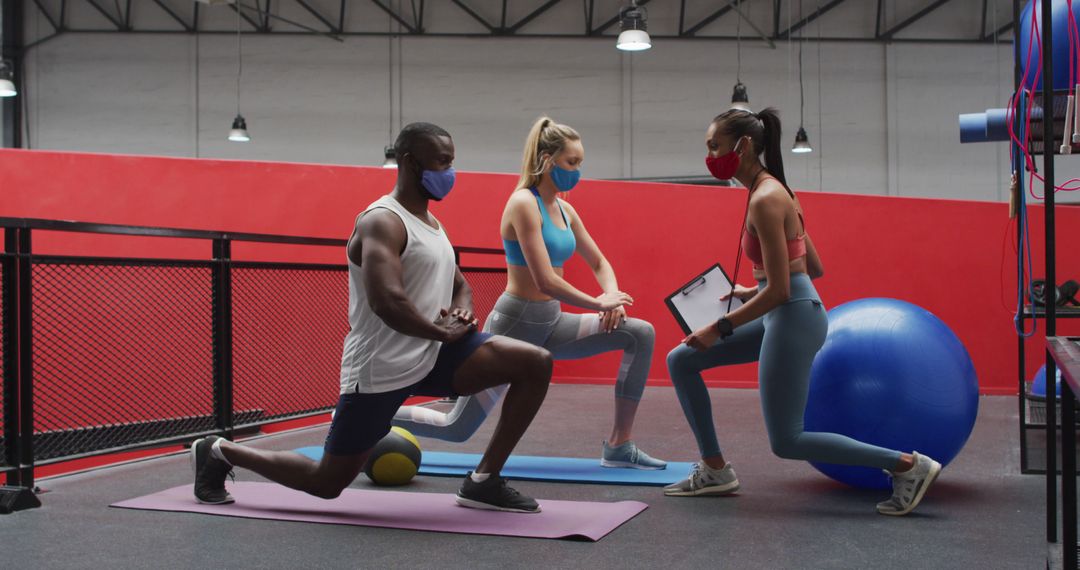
{"x":781,"y":324}
{"x":540,"y":232}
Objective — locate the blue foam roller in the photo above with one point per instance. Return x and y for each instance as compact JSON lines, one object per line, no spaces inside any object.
{"x":997,"y":127}
{"x":973,"y":128}
{"x":536,"y":468}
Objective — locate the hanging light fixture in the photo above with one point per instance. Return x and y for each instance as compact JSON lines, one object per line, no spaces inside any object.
{"x":7,"y":79}
{"x":7,"y":83}
{"x":391,"y":157}
{"x":632,"y":20}
{"x":802,"y":142}
{"x":238,"y":132}
{"x":739,"y":98}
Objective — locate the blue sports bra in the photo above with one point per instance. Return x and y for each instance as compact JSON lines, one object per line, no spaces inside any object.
{"x":560,"y":243}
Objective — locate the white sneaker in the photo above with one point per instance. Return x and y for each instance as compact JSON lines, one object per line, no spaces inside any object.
{"x":910,"y":486}
{"x":704,"y":480}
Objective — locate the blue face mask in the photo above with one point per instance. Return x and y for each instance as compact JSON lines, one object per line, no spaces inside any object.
{"x":438,"y":183}
{"x":564,"y":179}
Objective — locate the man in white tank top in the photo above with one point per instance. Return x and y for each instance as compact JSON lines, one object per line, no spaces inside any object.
{"x":412,"y":332}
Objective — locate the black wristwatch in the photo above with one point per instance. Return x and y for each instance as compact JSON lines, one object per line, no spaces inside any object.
{"x":724,"y":327}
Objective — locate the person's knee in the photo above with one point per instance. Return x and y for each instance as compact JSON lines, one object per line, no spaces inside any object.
{"x":329,"y":477}
{"x":541,"y":363}
{"x":328,"y":491}
{"x":644,"y":332}
{"x":787,"y":447}
{"x":326,"y":485}
{"x":677,"y":361}
{"x":531,"y":365}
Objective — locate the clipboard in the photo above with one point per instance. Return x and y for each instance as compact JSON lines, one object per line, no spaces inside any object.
{"x":698,"y":303}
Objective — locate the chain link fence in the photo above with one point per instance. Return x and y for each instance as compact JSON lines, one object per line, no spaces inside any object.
{"x":126,"y":352}
{"x":121,"y":355}
{"x":487,"y":285}
{"x":288,"y":329}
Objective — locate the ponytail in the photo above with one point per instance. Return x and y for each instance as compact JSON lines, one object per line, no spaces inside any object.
{"x":764,"y":131}
{"x":774,"y":161}
{"x":545,"y":137}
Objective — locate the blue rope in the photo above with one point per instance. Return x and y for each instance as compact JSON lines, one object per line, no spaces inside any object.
{"x":1024,"y":249}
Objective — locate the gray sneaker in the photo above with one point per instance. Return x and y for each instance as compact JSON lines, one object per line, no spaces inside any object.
{"x":628,"y":455}
{"x":705,"y":481}
{"x":494,"y":494}
{"x":910,"y":486}
{"x":210,"y":473}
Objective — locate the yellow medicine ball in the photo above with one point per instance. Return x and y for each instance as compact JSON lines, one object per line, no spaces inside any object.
{"x":395,"y":459}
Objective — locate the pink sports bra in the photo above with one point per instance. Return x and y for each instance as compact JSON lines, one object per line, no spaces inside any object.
{"x":752,"y":246}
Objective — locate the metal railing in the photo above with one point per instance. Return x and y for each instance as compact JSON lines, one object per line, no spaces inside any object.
{"x":106,"y":354}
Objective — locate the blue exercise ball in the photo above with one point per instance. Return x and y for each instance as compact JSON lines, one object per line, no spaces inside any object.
{"x":891,"y":374}
{"x":1060,"y":10}
{"x":1038,"y":384}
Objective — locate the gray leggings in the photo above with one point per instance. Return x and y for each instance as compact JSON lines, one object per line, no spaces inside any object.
{"x":784,"y":342}
{"x":568,"y":336}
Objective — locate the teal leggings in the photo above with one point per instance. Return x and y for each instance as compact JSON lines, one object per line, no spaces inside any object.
{"x":784,"y":343}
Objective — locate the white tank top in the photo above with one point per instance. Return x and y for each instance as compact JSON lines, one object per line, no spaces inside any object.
{"x":376,"y":358}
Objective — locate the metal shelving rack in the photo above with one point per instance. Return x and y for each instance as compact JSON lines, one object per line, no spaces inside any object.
{"x":1033,"y":422}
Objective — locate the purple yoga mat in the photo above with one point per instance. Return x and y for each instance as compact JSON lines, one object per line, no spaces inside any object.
{"x":397,"y":509}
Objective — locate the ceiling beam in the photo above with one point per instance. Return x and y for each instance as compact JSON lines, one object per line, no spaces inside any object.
{"x":877,"y":21}
{"x":708,"y":19}
{"x":474,"y":15}
{"x":532,"y":15}
{"x":888,"y":35}
{"x":615,"y":20}
{"x":265,"y":15}
{"x":48,"y":16}
{"x":764,"y":37}
{"x":174,"y":15}
{"x":998,"y":32}
{"x":394,"y":15}
{"x":819,"y":12}
{"x":236,"y":8}
{"x":114,"y":19}
{"x":776,"y":18}
{"x":565,"y":36}
{"x":326,"y":21}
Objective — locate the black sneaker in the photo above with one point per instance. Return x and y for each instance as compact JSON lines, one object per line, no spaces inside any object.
{"x":210,"y":473}
{"x":494,"y":495}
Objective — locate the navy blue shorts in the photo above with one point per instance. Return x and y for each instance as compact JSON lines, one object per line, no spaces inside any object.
{"x":361,"y":420}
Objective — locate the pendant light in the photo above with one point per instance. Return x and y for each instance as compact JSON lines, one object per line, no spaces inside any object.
{"x":739,"y":98}
{"x":632,"y":20}
{"x":238,"y":132}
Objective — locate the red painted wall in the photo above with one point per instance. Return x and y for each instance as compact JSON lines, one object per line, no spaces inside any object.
{"x":953,"y":258}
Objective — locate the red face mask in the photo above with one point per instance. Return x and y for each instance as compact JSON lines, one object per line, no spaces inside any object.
{"x":724,"y":167}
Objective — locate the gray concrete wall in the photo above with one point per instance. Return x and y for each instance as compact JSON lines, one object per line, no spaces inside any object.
{"x":882,"y":118}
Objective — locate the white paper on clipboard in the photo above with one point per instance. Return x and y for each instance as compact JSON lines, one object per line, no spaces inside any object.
{"x":698,"y":303}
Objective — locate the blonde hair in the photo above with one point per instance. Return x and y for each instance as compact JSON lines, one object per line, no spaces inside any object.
{"x":545,"y":137}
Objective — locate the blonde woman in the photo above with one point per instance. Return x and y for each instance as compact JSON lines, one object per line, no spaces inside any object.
{"x":540,"y":232}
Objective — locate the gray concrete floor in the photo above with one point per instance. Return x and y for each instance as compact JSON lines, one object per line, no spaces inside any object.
{"x":982,"y":513}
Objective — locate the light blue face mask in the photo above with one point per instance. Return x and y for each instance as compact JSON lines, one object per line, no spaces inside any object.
{"x":564,"y":179}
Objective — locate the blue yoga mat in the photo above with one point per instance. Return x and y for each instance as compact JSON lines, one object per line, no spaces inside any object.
{"x":534,"y":468}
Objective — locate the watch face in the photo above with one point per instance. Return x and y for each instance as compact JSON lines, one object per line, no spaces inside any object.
{"x":724,"y":326}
